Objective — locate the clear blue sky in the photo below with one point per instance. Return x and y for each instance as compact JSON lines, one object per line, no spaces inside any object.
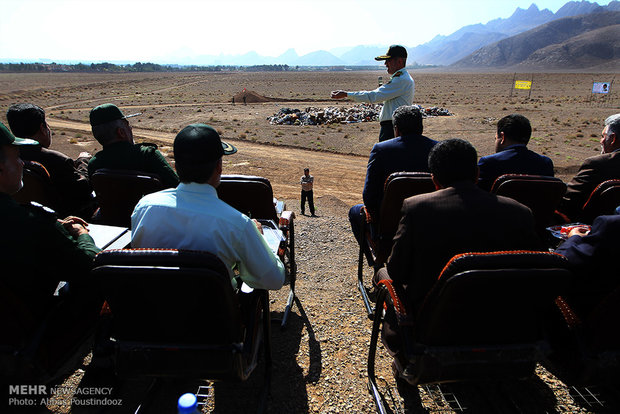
{"x":152,"y":30}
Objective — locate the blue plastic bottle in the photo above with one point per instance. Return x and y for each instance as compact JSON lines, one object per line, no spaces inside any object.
{"x":188,"y":404}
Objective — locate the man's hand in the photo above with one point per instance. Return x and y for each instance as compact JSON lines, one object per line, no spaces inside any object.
{"x":579,"y":231}
{"x":339,"y":94}
{"x":74,"y":225}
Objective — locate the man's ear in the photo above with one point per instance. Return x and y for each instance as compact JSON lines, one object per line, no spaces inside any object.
{"x":501,"y":137}
{"x":121,"y":132}
{"x":477,"y":174}
{"x":438,"y":185}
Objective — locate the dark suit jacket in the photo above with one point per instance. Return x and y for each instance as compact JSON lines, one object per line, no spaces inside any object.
{"x":405,"y":153}
{"x":593,"y":258}
{"x":464,"y":218}
{"x":516,"y":159}
{"x":69,"y":178}
{"x":592,"y":172}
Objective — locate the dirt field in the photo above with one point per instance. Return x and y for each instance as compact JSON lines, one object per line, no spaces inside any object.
{"x":566,"y":122}
{"x":320,"y":360}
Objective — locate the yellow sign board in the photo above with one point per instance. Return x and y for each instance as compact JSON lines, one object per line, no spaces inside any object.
{"x":523,"y":84}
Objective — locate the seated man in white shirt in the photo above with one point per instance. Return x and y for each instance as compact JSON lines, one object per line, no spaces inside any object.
{"x":191,"y":216}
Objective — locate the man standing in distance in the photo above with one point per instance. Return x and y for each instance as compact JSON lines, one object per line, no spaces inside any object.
{"x":307,"y":193}
{"x":396,"y":92}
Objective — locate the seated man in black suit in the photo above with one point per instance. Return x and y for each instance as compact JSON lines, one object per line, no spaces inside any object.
{"x":69,"y":177}
{"x":407,"y":152}
{"x":457,"y":218}
{"x":511,"y":153}
{"x":594,"y":171}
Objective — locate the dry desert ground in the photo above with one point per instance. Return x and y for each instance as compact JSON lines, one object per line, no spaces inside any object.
{"x":319,"y":361}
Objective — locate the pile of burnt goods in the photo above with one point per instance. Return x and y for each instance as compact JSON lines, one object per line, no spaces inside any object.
{"x":340,"y":115}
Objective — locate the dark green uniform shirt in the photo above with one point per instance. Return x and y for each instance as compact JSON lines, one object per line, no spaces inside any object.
{"x":137,"y":157}
{"x":37,"y":252}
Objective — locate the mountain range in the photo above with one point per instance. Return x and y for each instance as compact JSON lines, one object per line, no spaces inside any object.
{"x":529,"y":32}
{"x":575,"y":42}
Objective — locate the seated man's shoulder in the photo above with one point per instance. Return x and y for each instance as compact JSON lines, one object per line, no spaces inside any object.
{"x":602,"y":159}
{"x":33,"y":215}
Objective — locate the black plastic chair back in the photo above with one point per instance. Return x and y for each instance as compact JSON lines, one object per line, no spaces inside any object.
{"x":175,"y":313}
{"x":251,"y":195}
{"x":398,"y":187}
{"x":603,"y":200}
{"x":542,"y":194}
{"x":38,"y":187}
{"x":118,"y":192}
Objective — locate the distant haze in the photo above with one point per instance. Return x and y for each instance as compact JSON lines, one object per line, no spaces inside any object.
{"x":246,"y":32}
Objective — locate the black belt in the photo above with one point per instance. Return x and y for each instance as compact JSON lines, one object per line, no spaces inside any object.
{"x":384,"y":123}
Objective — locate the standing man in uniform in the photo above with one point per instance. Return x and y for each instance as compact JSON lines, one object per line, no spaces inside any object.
{"x":398,"y":91}
{"x":307,"y":182}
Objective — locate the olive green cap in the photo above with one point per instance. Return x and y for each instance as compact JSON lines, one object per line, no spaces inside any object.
{"x":200,"y":142}
{"x":105,"y":113}
{"x":7,"y":138}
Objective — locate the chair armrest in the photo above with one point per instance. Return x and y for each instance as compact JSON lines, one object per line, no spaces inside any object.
{"x":366,"y":214}
{"x":570,"y":317}
{"x":286,"y":220}
{"x":396,"y":301}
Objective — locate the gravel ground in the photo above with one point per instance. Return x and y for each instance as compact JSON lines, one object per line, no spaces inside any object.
{"x":320,"y":359}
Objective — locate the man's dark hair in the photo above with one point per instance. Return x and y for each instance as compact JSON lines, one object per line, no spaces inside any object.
{"x":453,"y":160}
{"x":515,"y":127}
{"x":195,"y":172}
{"x":408,"y":120}
{"x":25,"y":119}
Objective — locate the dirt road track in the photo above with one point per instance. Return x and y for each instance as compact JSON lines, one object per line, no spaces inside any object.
{"x":337,"y":175}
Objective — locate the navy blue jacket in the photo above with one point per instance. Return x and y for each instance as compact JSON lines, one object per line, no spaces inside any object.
{"x":516,"y":159}
{"x":404,"y":153}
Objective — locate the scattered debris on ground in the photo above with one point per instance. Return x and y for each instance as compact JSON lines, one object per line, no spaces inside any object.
{"x":339,"y":115}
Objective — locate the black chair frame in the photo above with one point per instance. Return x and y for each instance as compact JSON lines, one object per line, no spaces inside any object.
{"x":398,"y":186}
{"x":159,"y":341}
{"x":542,"y":194}
{"x":253,"y":196}
{"x":445,"y":340}
{"x":602,"y":201}
{"x":118,"y":192}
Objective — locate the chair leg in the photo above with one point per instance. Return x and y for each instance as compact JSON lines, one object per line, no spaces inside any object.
{"x":360,"y":274}
{"x":289,"y":305}
{"x":266,"y":389}
{"x":145,"y":404}
{"x":292,"y":275}
{"x":372,"y":352}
